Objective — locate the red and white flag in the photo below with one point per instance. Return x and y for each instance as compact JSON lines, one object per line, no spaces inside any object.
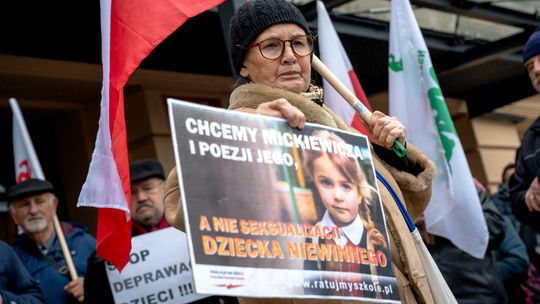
{"x":130,"y":30}
{"x":26,"y":161}
{"x":335,"y":58}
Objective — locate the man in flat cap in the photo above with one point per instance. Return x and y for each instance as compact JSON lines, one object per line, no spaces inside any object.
{"x":32,"y":205}
{"x":147,"y":190}
{"x":524,"y":184}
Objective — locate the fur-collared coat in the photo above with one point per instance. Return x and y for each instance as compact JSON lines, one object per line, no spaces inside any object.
{"x":414,"y":190}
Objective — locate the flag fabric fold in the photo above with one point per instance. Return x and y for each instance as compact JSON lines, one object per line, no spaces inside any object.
{"x":416,"y":99}
{"x":333,"y":55}
{"x":26,"y":162}
{"x":130,"y":30}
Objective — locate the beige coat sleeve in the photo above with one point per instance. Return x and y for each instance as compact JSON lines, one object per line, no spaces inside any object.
{"x":172,"y":200}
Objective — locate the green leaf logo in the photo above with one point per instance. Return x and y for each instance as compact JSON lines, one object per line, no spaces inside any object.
{"x":443,"y":120}
{"x":394,"y":65}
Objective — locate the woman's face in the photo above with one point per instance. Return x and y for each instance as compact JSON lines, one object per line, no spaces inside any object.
{"x":339,"y":195}
{"x":288,"y":72}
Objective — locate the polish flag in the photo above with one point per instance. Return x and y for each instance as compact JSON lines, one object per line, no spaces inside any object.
{"x":130,"y":30}
{"x":333,"y":55}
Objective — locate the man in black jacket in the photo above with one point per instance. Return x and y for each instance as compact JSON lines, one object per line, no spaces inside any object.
{"x":471,"y":280}
{"x":524,"y":185}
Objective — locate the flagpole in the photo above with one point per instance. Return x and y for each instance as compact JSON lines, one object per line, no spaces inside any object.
{"x":65,"y":249}
{"x":36,"y":167}
{"x":439,"y":288}
{"x":353,"y":101}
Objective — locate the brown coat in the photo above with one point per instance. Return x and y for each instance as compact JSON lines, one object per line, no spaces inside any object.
{"x":415,"y":191}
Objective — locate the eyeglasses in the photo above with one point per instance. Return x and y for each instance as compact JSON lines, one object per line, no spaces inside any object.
{"x":146,"y":189}
{"x":273,"y":48}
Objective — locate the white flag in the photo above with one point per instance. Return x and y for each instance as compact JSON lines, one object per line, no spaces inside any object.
{"x":26,"y":161}
{"x":333,"y":55}
{"x":416,"y":99}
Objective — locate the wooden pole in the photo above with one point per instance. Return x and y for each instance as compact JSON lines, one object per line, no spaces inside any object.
{"x":351,"y":99}
{"x":65,"y":249}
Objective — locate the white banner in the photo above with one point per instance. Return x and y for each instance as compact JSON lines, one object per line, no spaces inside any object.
{"x":159,"y":270}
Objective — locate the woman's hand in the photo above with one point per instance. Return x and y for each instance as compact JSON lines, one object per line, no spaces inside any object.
{"x":283,"y":109}
{"x":385,"y":130}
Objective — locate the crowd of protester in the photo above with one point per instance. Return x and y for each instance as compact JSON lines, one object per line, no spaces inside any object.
{"x":34,"y":268}
{"x":507,"y":274}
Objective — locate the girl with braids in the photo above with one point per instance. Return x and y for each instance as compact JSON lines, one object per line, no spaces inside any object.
{"x":344,"y":191}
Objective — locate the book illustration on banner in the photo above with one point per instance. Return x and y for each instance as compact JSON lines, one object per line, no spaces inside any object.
{"x":272,"y":211}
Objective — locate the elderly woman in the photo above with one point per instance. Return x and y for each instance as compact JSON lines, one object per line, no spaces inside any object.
{"x":271,"y":47}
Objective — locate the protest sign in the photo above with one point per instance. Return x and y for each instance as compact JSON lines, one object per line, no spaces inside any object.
{"x":158,"y":271}
{"x":272,"y":211}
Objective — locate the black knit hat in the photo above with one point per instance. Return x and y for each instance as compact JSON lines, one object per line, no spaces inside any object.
{"x":253,"y":17}
{"x":27,"y":188}
{"x":145,"y":168}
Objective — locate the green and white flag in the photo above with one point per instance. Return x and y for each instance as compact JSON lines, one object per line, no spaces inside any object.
{"x":416,"y":99}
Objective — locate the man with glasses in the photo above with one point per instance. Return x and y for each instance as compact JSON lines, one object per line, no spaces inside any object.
{"x":32,"y":205}
{"x":147,"y":190}
{"x":147,"y":179}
